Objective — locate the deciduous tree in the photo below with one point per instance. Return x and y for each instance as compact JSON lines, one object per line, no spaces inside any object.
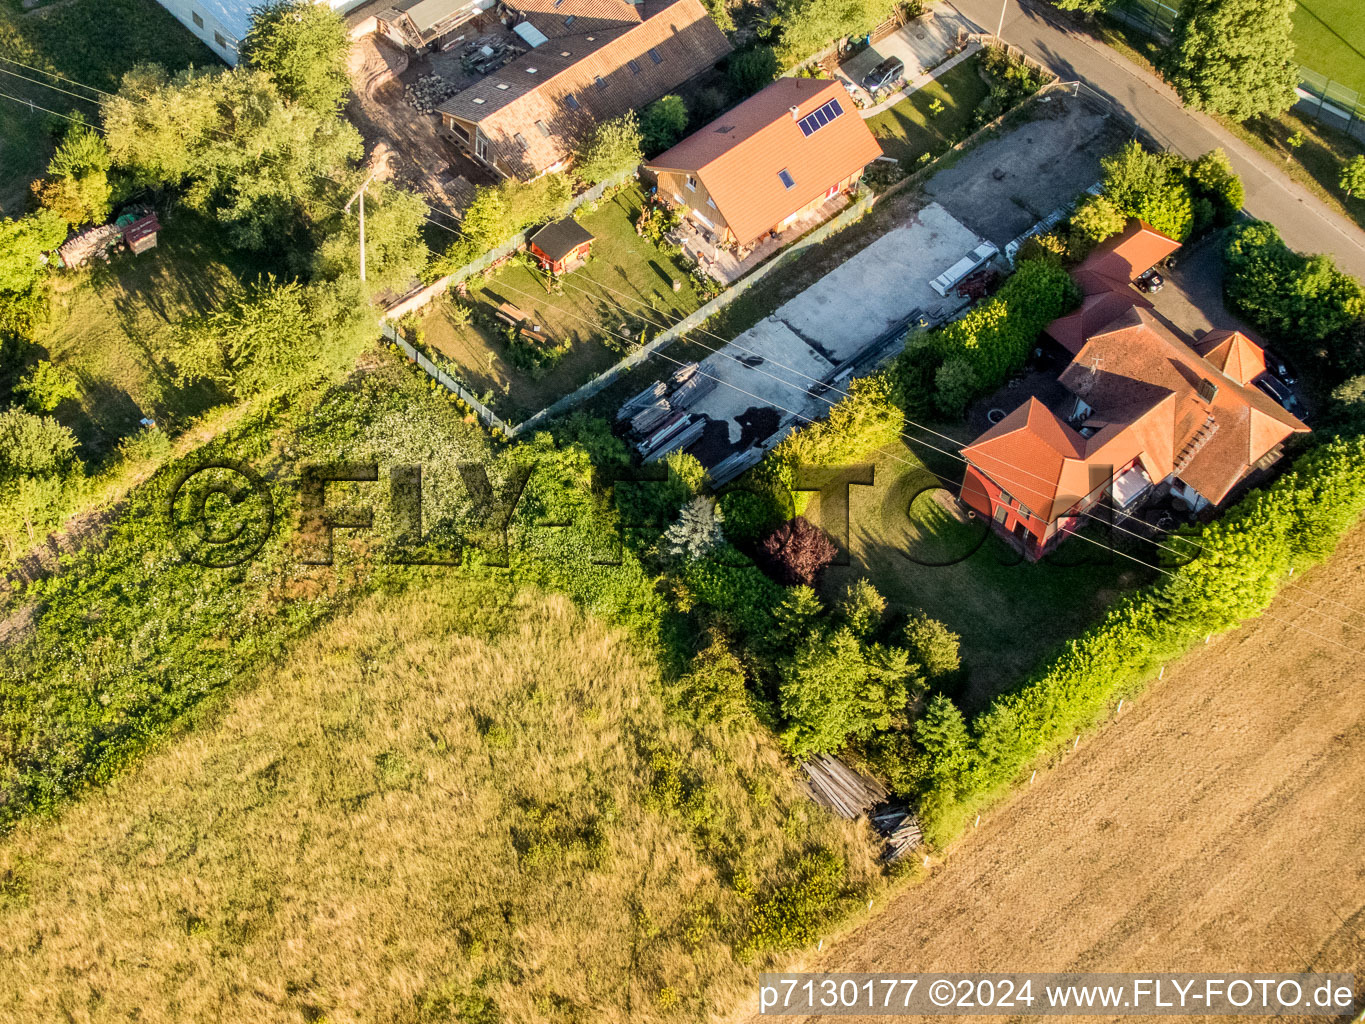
{"x":1234,"y":57}
{"x":303,"y":46}
{"x":613,"y":148}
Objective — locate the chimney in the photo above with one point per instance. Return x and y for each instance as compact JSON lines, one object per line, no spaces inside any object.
{"x":794,"y":112}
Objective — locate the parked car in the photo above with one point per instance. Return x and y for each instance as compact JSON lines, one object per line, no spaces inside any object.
{"x":1280,"y":392}
{"x":1150,"y":281}
{"x":885,"y":74}
{"x":1275,"y":363}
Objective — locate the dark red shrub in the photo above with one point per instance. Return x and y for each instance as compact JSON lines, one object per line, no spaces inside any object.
{"x":797,"y":550}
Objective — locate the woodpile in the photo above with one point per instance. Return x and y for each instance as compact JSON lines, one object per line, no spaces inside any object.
{"x":901,"y":828}
{"x":96,"y":243}
{"x":835,"y":785}
{"x":428,"y":92}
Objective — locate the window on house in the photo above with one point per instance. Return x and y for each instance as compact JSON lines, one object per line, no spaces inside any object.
{"x":691,"y":183}
{"x":571,"y":102}
{"x":1000,"y":513}
{"x":711,"y":203}
{"x":1006,"y":497}
{"x":1023,"y":511}
{"x":520,"y":140}
{"x":503,"y":85}
{"x":530,"y":71}
{"x":725,"y":129}
{"x":634,"y":67}
{"x":480,"y":100}
{"x":654,"y":56}
{"x":197,"y":20}
{"x":787,"y":180}
{"x":218,"y":38}
{"x":565,"y":53}
{"x":601,"y":82}
{"x":569,"y":20}
{"x":544,"y":128}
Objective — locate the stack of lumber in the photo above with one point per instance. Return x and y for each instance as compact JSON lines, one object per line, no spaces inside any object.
{"x":902,"y":831}
{"x":835,"y":785}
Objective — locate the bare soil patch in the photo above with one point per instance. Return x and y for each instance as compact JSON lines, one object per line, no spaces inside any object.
{"x":1216,"y":825}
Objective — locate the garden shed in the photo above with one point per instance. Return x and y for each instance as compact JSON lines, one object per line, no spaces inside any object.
{"x":561,"y":246}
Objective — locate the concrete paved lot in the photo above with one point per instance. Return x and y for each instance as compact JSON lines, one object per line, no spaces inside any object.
{"x":1005,"y":186}
{"x":920,"y":44}
{"x":810,"y":337}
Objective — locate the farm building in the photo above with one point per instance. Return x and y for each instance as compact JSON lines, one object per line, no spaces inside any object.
{"x":589,"y":61}
{"x":223,"y":24}
{"x":780,"y":153}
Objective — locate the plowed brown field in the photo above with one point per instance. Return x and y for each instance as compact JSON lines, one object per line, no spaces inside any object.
{"x":1216,"y":825}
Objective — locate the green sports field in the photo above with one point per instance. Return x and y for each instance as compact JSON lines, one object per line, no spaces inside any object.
{"x":1329,"y":37}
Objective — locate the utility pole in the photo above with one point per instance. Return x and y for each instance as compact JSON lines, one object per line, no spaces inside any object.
{"x":360,"y":194}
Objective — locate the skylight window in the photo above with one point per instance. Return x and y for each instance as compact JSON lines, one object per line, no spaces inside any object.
{"x":569,"y":20}
{"x":503,"y":85}
{"x":812,"y":123}
{"x":725,"y":129}
{"x":479,"y":99}
{"x":530,"y":71}
{"x":571,"y":102}
{"x":654,"y":56}
{"x":601,"y":82}
{"x":634,"y":67}
{"x":787,"y":180}
{"x":564,"y":53}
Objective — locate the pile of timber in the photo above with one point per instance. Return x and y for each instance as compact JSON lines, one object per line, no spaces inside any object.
{"x":901,"y":828}
{"x":835,"y":785}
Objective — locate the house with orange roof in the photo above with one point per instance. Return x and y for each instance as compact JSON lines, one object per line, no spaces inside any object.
{"x":589,"y":61}
{"x":782,"y":152}
{"x":1136,"y":409}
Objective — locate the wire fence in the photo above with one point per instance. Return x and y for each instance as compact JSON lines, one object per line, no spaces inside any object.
{"x":1320,"y":97}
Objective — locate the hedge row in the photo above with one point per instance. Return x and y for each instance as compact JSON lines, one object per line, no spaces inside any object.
{"x":1242,"y":561}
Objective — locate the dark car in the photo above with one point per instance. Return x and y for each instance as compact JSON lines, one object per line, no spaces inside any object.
{"x":1278,"y":391}
{"x":1150,"y":281}
{"x":1275,"y":363}
{"x":884,"y":74}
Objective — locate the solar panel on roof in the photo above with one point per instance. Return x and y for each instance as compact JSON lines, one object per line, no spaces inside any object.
{"x":816,"y":120}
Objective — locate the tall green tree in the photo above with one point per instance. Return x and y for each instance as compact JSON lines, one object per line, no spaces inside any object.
{"x":22,"y":244}
{"x":663,"y":123}
{"x":395,"y":252}
{"x":613,"y":148}
{"x":275,"y":336}
{"x":1234,"y":57}
{"x":78,"y":187}
{"x":234,"y":147}
{"x":302,"y":46}
{"x":1152,"y":186}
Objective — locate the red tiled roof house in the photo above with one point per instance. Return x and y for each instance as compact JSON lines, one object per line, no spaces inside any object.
{"x":1136,"y":408}
{"x":780,"y":153}
{"x":593,"y":60}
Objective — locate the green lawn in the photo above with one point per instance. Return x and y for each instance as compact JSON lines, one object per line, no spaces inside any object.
{"x":92,"y":42}
{"x":112,"y":324}
{"x":627,"y":281}
{"x":1329,"y":37}
{"x":1009,"y":613}
{"x":909,"y":129}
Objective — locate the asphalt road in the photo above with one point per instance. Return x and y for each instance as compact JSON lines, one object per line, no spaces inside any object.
{"x":1303,"y":220}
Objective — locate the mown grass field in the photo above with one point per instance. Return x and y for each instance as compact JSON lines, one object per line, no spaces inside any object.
{"x":1329,"y":37}
{"x":113,"y":325}
{"x":910,"y":129}
{"x":625,"y":288}
{"x":457,"y":803}
{"x":909,"y":541}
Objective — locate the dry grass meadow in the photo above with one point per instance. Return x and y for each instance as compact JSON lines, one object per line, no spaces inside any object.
{"x":443,"y":806}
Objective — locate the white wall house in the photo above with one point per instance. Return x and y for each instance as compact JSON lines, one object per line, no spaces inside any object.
{"x":223,"y":24}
